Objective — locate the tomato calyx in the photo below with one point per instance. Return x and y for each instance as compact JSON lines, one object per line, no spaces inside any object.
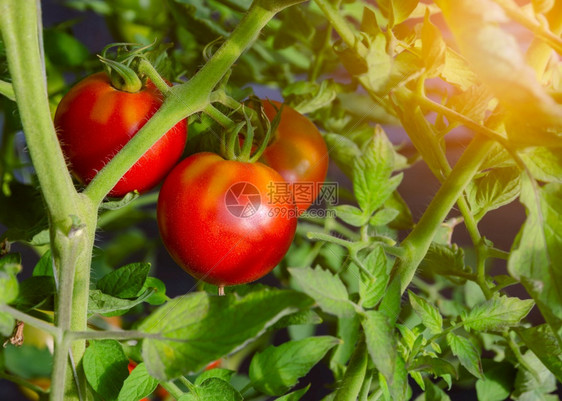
{"x":129,"y":65}
{"x":249,"y":145}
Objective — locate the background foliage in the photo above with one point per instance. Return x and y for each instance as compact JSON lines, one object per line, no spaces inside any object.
{"x":481,"y":71}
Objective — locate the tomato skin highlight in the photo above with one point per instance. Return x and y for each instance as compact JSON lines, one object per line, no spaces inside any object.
{"x":203,"y":235}
{"x":299,"y":153}
{"x":94,"y":121}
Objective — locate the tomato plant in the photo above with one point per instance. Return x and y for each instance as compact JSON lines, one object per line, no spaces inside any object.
{"x":95,"y":120}
{"x":209,"y":207}
{"x":428,"y":268}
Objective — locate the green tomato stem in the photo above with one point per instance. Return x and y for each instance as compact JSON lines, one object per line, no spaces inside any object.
{"x":341,"y":26}
{"x":21,"y":39}
{"x":187,"y":384}
{"x":71,"y":246}
{"x":7,"y":90}
{"x":417,"y":242}
{"x":223,"y":120}
{"x":171,"y":388}
{"x":32,"y":321}
{"x":146,"y":68}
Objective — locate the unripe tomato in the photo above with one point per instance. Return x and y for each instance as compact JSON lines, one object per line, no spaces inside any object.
{"x":298,"y":153}
{"x":225,"y":222}
{"x":94,"y":121}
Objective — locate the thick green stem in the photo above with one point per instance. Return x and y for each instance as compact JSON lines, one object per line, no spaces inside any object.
{"x":72,"y":218}
{"x":183,"y":100}
{"x":417,"y":242}
{"x":21,"y":39}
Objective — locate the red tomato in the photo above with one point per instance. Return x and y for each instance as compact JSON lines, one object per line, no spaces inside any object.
{"x":214,"y":364}
{"x":225,"y":222}
{"x":94,"y":121}
{"x":298,"y":153}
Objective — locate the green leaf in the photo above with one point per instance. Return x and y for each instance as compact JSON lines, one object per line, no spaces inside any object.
{"x":545,"y":164}
{"x":379,"y":64}
{"x":423,"y":135}
{"x":277,"y":369}
{"x":326,"y":289}
{"x":198,"y":328}
{"x":468,"y":355}
{"x":64,"y":49}
{"x":45,"y":265}
{"x":371,"y":290}
{"x":223,"y":374}
{"x":299,"y":318}
{"x":432,"y":393}
{"x":119,"y":203}
{"x":28,"y":361}
{"x":10,"y":266}
{"x":527,"y":387}
{"x":537,"y":253}
{"x":137,"y":385}
{"x":295,"y":395}
{"x":492,"y":189}
{"x":213,"y":389}
{"x":390,"y":304}
{"x":457,"y":71}
{"x":404,"y":220}
{"x":106,"y":368}
{"x":473,"y":103}
{"x":429,"y":314}
{"x":433,"y":47}
{"x":158,"y":289}
{"x":381,"y":343}
{"x":498,"y":382}
{"x":7,"y":324}
{"x":125,"y":282}
{"x":350,"y":386}
{"x":397,"y":10}
{"x":111,"y":306}
{"x":343,"y":152}
{"x":36,"y":292}
{"x":497,"y":313}
{"x":348,"y":332}
{"x":383,"y":217}
{"x":438,"y":367}
{"x":351,"y":215}
{"x":372,"y":181}
{"x":543,"y":343}
{"x":445,"y":260}
{"x":313,"y":97}
{"x":22,"y":223}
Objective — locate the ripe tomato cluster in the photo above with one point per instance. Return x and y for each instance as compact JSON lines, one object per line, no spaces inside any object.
{"x":226,"y":222}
